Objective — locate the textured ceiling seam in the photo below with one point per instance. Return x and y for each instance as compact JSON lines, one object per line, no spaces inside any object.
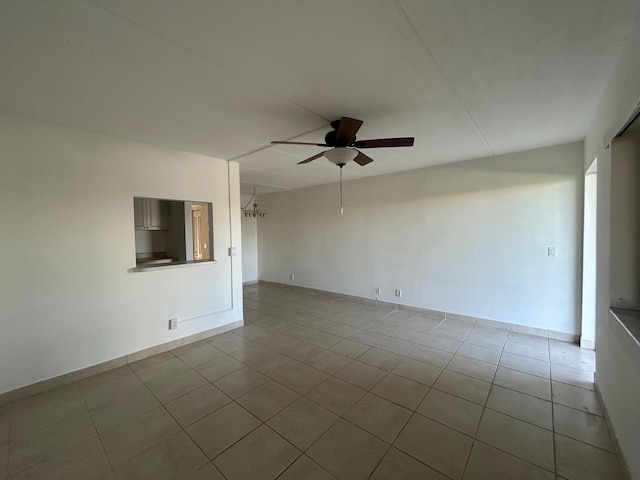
{"x":28,"y":76}
{"x":284,"y":189}
{"x":321,"y":165}
{"x":202,"y":58}
{"x":89,"y":95}
{"x":272,"y":146}
{"x":444,"y":74}
{"x":279,"y":187}
{"x":406,"y":160}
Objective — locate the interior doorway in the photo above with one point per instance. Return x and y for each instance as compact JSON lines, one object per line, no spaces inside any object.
{"x":201,"y":235}
{"x":588,"y":332}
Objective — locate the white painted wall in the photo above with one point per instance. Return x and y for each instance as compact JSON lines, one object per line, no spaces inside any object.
{"x":67,"y":245}
{"x":588,"y":326}
{"x":249,"y":245}
{"x":617,"y":373}
{"x":468,"y":238}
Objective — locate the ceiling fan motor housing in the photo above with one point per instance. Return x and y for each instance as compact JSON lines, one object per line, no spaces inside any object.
{"x":343,"y":141}
{"x":330,"y":139}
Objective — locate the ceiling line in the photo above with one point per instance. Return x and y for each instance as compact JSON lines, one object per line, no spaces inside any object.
{"x":201,"y":57}
{"x":325,"y":165}
{"x":46,"y":90}
{"x":274,"y":146}
{"x":266,"y":185}
{"x":444,"y":74}
{"x":406,"y":160}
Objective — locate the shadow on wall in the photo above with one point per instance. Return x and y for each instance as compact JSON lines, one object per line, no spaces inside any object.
{"x":469,"y":237}
{"x":469,"y":177}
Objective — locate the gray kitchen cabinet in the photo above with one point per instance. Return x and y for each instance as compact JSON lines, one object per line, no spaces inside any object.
{"x":151,"y":214}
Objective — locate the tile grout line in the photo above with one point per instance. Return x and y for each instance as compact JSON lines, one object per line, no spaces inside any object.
{"x":39,"y":430}
{"x":415,"y":345}
{"x":473,"y":446}
{"x":454,"y":353}
{"x":347,"y":320}
{"x":182,"y":429}
{"x":375,"y":467}
{"x":104,"y":451}
{"x":341,"y":416}
{"x":234,"y":400}
{"x":405,"y":356}
{"x":491,"y":382}
{"x":553,"y":434}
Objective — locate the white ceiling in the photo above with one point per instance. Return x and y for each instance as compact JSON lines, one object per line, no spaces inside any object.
{"x":468,"y":79}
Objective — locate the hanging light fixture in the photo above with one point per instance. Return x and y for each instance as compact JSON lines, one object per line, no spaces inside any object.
{"x":255,"y":211}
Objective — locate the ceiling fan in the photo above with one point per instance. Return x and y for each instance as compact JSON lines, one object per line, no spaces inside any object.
{"x":345,"y":146}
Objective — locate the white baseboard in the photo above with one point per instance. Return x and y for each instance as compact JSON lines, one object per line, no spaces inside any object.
{"x":588,"y":344}
{"x":538,"y":332}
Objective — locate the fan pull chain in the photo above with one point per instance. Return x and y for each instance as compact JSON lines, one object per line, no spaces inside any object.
{"x":341,"y":209}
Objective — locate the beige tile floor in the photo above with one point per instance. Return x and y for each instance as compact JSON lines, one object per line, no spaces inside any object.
{"x":316,"y":386}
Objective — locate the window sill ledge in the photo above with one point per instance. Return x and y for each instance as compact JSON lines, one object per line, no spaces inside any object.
{"x":630,"y":320}
{"x":164,"y":266}
{"x":624,"y":326}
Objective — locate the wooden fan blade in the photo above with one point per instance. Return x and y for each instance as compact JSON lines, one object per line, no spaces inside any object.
{"x":301,"y":143}
{"x":346,"y":133}
{"x":311,"y":159}
{"x":385,"y":142}
{"x":361,"y":159}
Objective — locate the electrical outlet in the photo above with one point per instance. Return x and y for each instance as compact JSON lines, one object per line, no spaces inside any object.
{"x":292,"y":277}
{"x":378,"y":291}
{"x":173,"y":323}
{"x":398,"y":292}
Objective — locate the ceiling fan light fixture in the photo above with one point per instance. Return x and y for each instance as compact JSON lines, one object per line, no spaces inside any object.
{"x":340,"y":155}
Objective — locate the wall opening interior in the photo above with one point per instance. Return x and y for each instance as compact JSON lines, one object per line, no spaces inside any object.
{"x":625,"y":220}
{"x":249,"y":243}
{"x":624,"y":250}
{"x":172,"y":231}
{"x":201,"y":233}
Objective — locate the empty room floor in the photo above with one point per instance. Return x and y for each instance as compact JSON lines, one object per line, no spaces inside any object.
{"x":318,"y":386}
